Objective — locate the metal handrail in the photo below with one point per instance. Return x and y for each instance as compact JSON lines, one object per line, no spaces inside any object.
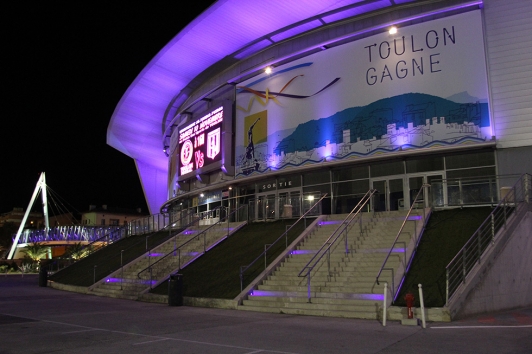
{"x":473,"y":250}
{"x":414,"y":234}
{"x":325,"y":248}
{"x":107,"y":259}
{"x":126,"y":228}
{"x":244,"y":268}
{"x":177,"y":250}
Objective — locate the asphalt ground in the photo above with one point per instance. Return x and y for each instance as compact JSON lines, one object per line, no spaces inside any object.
{"x":37,"y":319}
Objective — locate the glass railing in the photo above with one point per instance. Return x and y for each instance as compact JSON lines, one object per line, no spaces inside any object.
{"x":470,"y":191}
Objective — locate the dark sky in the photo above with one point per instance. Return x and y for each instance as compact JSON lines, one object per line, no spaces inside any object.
{"x":67,"y":65}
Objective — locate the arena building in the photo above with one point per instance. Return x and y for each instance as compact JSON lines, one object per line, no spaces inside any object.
{"x":271,"y":103}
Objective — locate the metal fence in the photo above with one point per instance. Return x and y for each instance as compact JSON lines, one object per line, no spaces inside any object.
{"x":470,"y":190}
{"x":514,"y":200}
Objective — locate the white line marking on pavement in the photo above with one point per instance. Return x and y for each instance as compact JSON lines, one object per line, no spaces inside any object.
{"x":85,"y":330}
{"x":465,"y":327}
{"x":152,"y":341}
{"x":160,"y":338}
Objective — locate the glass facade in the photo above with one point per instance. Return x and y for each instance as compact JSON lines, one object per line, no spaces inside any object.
{"x":454,"y":179}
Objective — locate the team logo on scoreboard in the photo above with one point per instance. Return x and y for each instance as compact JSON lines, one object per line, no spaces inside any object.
{"x":213,"y":141}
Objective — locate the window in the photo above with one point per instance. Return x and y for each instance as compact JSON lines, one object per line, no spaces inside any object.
{"x":103,"y":222}
{"x":114,"y":222}
{"x":387,"y":169}
{"x":424,"y":164}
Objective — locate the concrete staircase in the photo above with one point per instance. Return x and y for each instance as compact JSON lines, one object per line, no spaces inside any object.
{"x":348,"y":288}
{"x":191,"y":243}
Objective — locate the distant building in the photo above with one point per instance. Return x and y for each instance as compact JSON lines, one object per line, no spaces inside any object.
{"x":66,"y":219}
{"x":106,"y":216}
{"x":35,"y":219}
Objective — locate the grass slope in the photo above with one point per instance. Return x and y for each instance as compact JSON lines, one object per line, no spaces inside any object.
{"x":446,"y":233}
{"x":216,"y":273}
{"x":107,"y":259}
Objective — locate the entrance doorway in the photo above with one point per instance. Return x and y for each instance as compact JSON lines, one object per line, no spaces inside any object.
{"x":284,"y":203}
{"x":389,"y":194}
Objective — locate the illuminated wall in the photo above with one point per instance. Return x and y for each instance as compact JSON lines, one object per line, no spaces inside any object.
{"x":423,"y":87}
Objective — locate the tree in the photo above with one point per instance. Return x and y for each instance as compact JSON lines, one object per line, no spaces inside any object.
{"x":77,"y":251}
{"x":35,"y":251}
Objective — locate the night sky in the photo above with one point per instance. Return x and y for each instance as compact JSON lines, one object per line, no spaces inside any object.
{"x":67,"y":64}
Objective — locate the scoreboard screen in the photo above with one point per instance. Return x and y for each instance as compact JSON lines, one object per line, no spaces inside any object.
{"x":200,"y":144}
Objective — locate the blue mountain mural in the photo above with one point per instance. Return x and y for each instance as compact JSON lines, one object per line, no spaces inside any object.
{"x":372,"y":120}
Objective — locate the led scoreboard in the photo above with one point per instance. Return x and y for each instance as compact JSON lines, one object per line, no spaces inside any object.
{"x":201,"y":144}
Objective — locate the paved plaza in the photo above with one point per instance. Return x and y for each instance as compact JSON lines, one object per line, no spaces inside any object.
{"x":46,"y":320}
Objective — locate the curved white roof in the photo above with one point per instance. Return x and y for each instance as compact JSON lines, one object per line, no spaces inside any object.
{"x":223,"y":29}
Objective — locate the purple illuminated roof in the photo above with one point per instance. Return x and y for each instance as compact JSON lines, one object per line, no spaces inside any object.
{"x":222,"y":30}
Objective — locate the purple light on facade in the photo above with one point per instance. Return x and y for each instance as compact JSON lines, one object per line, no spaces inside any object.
{"x":295,"y":252}
{"x":330,"y":222}
{"x":193,"y":254}
{"x":376,"y":297}
{"x":156,"y":254}
{"x":267,"y":293}
{"x":416,"y":217}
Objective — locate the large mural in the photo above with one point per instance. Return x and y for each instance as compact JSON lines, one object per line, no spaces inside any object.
{"x":423,"y":87}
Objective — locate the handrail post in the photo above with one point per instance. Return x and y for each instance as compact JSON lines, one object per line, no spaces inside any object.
{"x":492,"y":228}
{"x":121,"y":268}
{"x":384,"y":305}
{"x":308,"y":288}
{"x":265,"y":255}
{"x":447,"y":287}
{"x":241,"y":279}
{"x":329,"y":261}
{"x":479,"y":248}
{"x":504,"y":211}
{"x":463,"y":266}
